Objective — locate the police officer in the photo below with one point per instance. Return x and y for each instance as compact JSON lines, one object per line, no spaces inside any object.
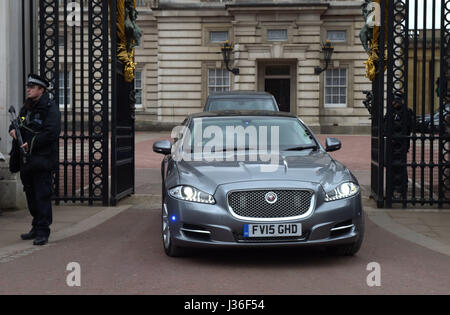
{"x":401,"y":128}
{"x":40,"y":125}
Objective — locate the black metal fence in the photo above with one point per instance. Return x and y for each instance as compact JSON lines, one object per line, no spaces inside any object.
{"x":123,"y":121}
{"x":78,"y":57}
{"x":411,"y":112}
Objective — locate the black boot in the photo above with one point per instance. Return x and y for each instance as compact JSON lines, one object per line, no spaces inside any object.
{"x":29,"y":236}
{"x":40,"y":240}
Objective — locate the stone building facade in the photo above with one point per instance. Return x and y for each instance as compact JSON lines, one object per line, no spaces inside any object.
{"x":277,"y":45}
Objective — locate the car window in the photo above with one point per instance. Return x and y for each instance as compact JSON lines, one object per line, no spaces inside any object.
{"x":246,"y":132}
{"x":241,"y":104}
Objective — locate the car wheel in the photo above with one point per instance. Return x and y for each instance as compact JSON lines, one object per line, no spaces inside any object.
{"x":352,"y":248}
{"x":170,"y":249}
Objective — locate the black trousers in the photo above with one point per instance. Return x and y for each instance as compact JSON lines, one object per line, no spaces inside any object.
{"x":400,"y":173}
{"x":38,"y":188}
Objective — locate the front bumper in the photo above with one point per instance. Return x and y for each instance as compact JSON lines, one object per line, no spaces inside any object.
{"x":202,"y":225}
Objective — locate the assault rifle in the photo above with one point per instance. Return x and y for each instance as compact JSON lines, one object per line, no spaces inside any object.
{"x":15,"y":123}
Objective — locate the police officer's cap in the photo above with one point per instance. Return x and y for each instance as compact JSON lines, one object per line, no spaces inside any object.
{"x":34,"y":79}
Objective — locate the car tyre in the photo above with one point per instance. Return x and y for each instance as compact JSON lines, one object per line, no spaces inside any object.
{"x":170,"y":249}
{"x":352,"y":248}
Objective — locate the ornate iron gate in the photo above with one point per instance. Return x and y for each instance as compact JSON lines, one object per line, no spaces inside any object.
{"x":123,"y":106}
{"x":411,"y":110}
{"x":78,"y":57}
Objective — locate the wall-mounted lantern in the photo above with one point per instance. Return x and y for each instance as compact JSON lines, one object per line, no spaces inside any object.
{"x":327,"y":51}
{"x":227,"y":50}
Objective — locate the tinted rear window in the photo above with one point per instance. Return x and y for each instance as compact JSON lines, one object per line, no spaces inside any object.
{"x":241,"y":104}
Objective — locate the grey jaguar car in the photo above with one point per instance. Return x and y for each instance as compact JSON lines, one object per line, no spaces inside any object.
{"x":256,"y":178}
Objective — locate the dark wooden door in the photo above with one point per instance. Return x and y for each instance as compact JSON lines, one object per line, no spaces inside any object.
{"x":281,"y":89}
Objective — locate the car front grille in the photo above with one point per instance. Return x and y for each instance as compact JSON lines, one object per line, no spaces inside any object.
{"x":252,"y":204}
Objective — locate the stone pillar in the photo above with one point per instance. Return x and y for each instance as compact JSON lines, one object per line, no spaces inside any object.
{"x":11,"y":93}
{"x":11,"y":189}
{"x":4,"y":76}
{"x":11,"y":62}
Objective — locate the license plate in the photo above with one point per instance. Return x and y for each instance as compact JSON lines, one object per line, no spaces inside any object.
{"x":272,"y":230}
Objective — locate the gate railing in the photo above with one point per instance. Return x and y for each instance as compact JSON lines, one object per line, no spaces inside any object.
{"x":79,"y":77}
{"x":411,"y":112}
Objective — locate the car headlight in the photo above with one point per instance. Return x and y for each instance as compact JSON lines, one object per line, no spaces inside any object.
{"x":189,"y":193}
{"x":342,"y":191}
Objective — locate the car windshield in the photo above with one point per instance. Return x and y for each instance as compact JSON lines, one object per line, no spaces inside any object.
{"x":248,"y":133}
{"x":241,"y":104}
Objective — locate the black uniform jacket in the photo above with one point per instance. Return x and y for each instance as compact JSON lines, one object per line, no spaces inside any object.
{"x":40,"y":128}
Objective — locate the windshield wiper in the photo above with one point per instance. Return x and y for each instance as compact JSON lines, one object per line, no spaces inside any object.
{"x":300,"y":148}
{"x":232,"y":149}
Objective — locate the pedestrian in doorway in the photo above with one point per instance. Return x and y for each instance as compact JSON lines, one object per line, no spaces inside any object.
{"x":40,"y":125}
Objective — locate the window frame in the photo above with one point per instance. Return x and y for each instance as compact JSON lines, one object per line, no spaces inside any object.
{"x":325,"y":86}
{"x":141,"y":71}
{"x":61,"y":89}
{"x":219,"y":27}
{"x":268,"y":30}
{"x":339,"y":26}
{"x":337,"y":30}
{"x":205,"y":80}
{"x":291,"y":32}
{"x":224,"y":70}
{"x":210,"y":32}
{"x":61,"y":41}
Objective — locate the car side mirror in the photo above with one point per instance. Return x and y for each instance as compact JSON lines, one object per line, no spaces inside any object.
{"x":332,"y":144}
{"x":162,"y":147}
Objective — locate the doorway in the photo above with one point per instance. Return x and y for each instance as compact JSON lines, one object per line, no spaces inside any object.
{"x":281,"y":89}
{"x":278,"y":79}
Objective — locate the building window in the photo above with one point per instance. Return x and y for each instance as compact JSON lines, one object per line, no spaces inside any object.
{"x":61,"y":41}
{"x":218,"y":36}
{"x":277,"y":35}
{"x":337,"y":36}
{"x":218,"y":80}
{"x":336,"y":88}
{"x":138,"y":88}
{"x":63,"y":88}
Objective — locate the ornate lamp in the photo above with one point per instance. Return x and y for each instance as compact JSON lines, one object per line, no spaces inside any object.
{"x":227,"y":49}
{"x":328,"y":52}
